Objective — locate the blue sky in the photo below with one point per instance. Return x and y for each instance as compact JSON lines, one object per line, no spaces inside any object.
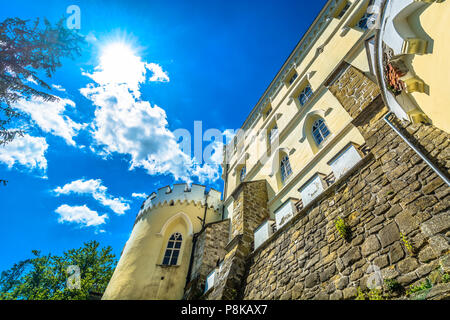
{"x":148,"y":68}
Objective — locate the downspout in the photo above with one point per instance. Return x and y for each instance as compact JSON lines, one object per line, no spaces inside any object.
{"x":226,"y":166}
{"x":416,"y":150}
{"x":191,"y":260}
{"x":194,"y":240}
{"x":206,"y":208}
{"x":379,"y":76}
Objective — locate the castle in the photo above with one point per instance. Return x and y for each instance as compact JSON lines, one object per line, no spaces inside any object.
{"x":338,"y":179}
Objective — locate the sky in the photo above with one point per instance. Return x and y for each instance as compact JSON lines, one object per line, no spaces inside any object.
{"x":148,"y":71}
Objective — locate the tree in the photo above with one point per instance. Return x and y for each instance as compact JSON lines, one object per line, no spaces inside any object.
{"x":45,"y":277}
{"x":27,"y":49}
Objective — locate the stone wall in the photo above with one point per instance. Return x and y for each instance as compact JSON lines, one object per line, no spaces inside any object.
{"x":352,"y":88}
{"x":250,"y":210}
{"x":208,"y":250}
{"x":390,"y":192}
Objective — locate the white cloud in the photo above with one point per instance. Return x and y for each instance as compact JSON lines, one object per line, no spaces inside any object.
{"x":81,"y":215}
{"x":127,"y":125}
{"x":30,"y":79}
{"x":206,"y":172}
{"x":27,"y":150}
{"x":58,"y":87}
{"x":48,"y":115}
{"x":210,"y":170}
{"x":158,"y":73}
{"x":90,"y":37}
{"x":229,"y":135}
{"x":139,"y":195}
{"x":97,"y":191}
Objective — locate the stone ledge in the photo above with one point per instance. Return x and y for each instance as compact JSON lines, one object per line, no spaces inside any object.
{"x":235,"y":241}
{"x":167,"y":266}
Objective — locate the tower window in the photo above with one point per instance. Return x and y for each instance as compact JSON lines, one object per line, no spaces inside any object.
{"x":285,"y":168}
{"x":242,"y":174}
{"x":173,"y":250}
{"x":305,"y":95}
{"x":319,"y":131}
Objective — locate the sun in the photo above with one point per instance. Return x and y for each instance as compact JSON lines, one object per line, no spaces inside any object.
{"x":119,"y":63}
{"x":116,"y":53}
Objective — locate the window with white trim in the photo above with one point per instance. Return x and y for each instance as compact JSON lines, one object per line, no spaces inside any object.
{"x":292,"y":79}
{"x":305,"y":94}
{"x":285,"y":168}
{"x":273,"y":133}
{"x":173,"y":249}
{"x":242,"y":174}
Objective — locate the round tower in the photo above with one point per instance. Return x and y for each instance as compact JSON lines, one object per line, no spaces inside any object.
{"x":155,"y":260}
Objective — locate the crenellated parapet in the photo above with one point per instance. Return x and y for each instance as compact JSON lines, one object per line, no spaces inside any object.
{"x":181,"y":193}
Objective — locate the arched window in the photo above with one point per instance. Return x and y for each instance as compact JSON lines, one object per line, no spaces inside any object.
{"x":319,"y":131}
{"x":242,"y":174}
{"x":285,"y":168}
{"x":173,"y":249}
{"x":304,"y":95}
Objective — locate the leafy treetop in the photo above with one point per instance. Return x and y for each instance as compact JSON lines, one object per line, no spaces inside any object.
{"x":44,"y":277}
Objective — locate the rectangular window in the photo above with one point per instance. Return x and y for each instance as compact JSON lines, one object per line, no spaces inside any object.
{"x":305,"y":94}
{"x":242,"y":174}
{"x":273,"y":133}
{"x":343,"y":11}
{"x":293,"y":78}
{"x":285,"y":168}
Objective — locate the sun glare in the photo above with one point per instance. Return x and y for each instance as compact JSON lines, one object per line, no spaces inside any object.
{"x":115,"y":53}
{"x":120,"y":64}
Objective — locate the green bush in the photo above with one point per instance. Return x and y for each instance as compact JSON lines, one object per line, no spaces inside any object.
{"x":342,"y":228}
{"x":420,"y":287}
{"x":392,"y":285}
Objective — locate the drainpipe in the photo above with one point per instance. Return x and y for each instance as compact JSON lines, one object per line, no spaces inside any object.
{"x":424,"y":158}
{"x":379,"y":75}
{"x":191,"y":260}
{"x":226,"y":167}
{"x":194,"y":241}
{"x":206,"y":208}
